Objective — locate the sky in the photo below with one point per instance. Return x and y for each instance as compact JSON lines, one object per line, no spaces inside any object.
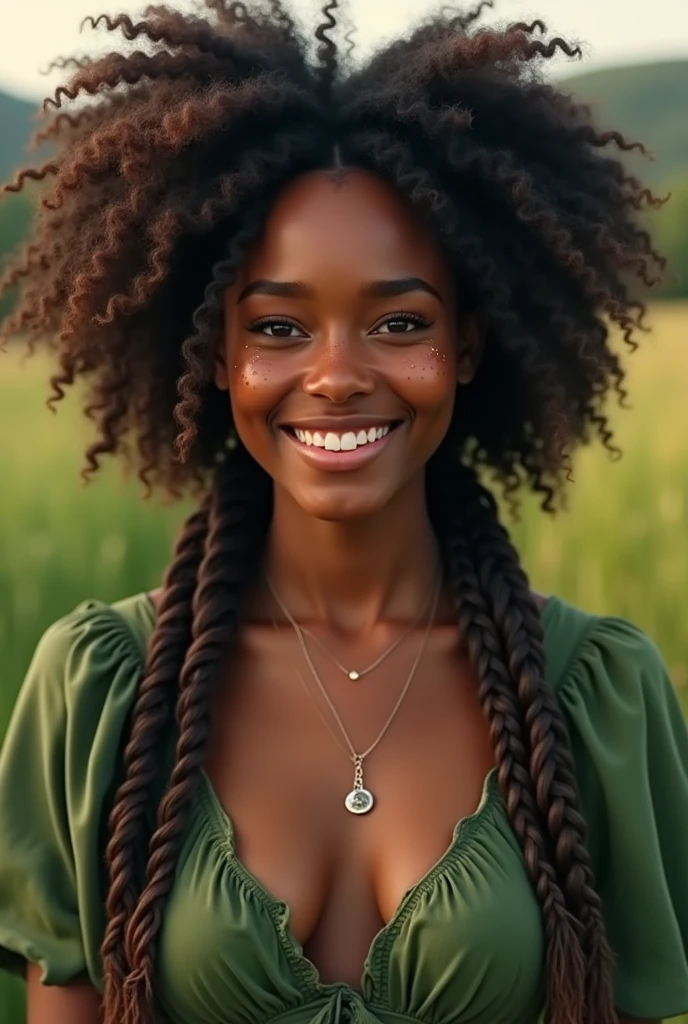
{"x":34,"y":32}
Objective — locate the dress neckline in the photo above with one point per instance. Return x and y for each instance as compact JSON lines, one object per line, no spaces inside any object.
{"x":222,"y":832}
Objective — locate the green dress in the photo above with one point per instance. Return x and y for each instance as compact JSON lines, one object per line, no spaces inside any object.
{"x":465,"y":945}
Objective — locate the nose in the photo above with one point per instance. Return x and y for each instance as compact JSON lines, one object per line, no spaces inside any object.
{"x":339,"y":368}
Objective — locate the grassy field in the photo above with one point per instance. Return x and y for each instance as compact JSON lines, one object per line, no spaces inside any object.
{"x":621,"y":548}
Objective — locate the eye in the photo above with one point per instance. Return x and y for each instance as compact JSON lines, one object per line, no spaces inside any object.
{"x":401,"y":323}
{"x":273,"y":327}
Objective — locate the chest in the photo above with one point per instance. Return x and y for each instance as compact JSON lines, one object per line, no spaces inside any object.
{"x":464,"y":945}
{"x":280,"y":767}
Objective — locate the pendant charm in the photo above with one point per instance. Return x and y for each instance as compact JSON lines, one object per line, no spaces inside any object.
{"x":353,"y":676}
{"x":359,"y":800}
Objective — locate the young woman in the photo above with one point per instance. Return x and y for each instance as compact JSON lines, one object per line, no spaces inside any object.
{"x":343,"y":765}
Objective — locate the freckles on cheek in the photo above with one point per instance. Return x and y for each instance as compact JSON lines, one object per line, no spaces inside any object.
{"x":429,"y":369}
{"x":250,"y":370}
{"x":252,"y":387}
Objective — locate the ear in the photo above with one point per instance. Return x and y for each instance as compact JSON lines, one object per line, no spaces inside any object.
{"x":471,"y":331}
{"x":220,"y":375}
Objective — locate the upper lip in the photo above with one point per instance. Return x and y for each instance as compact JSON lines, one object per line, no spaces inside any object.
{"x":340,"y":423}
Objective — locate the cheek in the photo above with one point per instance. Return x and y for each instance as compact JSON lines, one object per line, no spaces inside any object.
{"x":252,"y":383}
{"x":427,"y":377}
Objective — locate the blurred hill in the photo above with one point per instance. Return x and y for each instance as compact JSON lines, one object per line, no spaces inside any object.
{"x":647,"y":102}
{"x":17,"y":123}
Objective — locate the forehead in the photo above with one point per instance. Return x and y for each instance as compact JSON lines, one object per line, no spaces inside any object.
{"x":355,"y":224}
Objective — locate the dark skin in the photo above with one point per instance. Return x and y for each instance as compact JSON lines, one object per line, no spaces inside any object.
{"x":339,"y":355}
{"x":353,"y":555}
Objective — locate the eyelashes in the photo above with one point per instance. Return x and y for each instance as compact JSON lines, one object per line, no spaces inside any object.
{"x":407,"y":318}
{"x":261,"y":325}
{"x":286,"y":325}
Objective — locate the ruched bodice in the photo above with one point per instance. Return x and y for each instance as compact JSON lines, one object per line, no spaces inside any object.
{"x":465,"y":945}
{"x":463,"y":919}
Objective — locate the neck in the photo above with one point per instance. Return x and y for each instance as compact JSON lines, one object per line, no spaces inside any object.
{"x":350,"y":574}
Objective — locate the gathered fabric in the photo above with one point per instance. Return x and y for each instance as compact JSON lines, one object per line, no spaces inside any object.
{"x":466,"y":943}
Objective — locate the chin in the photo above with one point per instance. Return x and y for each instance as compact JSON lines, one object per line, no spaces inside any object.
{"x":335,"y":505}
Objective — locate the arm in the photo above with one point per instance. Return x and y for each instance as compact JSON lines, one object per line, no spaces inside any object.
{"x":55,"y":1004}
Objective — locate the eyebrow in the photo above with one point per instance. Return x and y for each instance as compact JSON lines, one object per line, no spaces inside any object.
{"x":375,"y":290}
{"x":388,"y":289}
{"x":282,"y":289}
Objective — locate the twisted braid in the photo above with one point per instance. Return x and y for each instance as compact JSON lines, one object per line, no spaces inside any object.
{"x":151,"y":717}
{"x":154,"y":193}
{"x":565,"y":961}
{"x":512,"y":608}
{"x":238,"y":517}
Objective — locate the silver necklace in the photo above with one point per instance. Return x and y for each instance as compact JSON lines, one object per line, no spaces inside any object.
{"x":355,"y":674}
{"x":360,"y":800}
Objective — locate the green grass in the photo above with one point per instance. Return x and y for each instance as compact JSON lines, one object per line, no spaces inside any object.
{"x":622,"y":548}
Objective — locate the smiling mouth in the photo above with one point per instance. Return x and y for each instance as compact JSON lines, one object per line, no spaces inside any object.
{"x":341,"y":440}
{"x":341,"y":449}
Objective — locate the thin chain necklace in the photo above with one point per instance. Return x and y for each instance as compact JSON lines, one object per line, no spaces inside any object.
{"x":354,"y":674}
{"x":360,"y":800}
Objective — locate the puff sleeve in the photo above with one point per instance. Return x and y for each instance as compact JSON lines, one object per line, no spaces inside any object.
{"x":56,"y":767}
{"x":630,"y":744}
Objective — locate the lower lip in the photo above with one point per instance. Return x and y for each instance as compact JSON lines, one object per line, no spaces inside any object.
{"x":339,"y":461}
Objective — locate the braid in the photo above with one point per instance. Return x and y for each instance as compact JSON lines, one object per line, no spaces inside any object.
{"x":238,"y":520}
{"x":150,"y":721}
{"x":504,"y":713}
{"x":505,"y":585}
{"x":157,"y":189}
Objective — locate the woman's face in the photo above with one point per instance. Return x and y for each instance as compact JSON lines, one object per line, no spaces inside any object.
{"x":342,"y":347}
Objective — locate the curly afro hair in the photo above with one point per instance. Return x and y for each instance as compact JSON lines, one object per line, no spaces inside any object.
{"x":160,"y":183}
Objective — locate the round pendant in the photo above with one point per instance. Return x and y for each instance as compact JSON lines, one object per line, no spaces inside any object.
{"x":359,"y":801}
{"x":354,"y":675}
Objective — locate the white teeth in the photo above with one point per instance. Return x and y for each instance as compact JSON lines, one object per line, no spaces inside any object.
{"x":346,"y":442}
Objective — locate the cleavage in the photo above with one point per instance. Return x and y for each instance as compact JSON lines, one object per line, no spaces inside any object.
{"x":282,"y":779}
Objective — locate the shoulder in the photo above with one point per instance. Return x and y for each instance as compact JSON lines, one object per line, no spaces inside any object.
{"x":74,"y":702}
{"x":629,"y":742}
{"x":614,"y":690}
{"x":94,"y":631}
{"x":63,"y":747}
{"x":622,"y":712}
{"x":601,"y":651}
{"x":94,"y":623}
{"x":85,"y":667}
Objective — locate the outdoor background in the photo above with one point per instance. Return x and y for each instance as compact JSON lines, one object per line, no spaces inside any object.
{"x":622,"y":548}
